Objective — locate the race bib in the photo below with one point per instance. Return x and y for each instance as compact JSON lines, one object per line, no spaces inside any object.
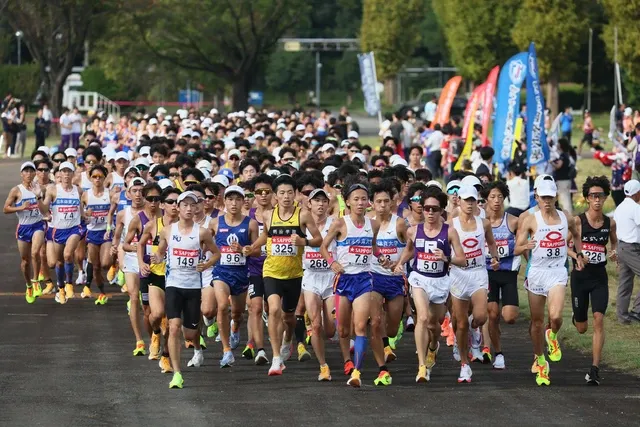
{"x":474,"y":259}
{"x":554,"y":246}
{"x":391,"y":254}
{"x":69,"y":213}
{"x":263,"y":248}
{"x":503,"y":248}
{"x":99,"y":217}
{"x":314,"y":261}
{"x":231,"y":258}
{"x":593,"y":253}
{"x":360,"y":255}
{"x":281,"y":246}
{"x":185,"y":258}
{"x":429,"y":263}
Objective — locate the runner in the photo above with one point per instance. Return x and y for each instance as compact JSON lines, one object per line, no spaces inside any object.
{"x":115,"y":181}
{"x":64,"y":201}
{"x":24,"y":200}
{"x":547,"y":277}
{"x":317,"y":283}
{"x":430,"y":244}
{"x":595,"y":230}
{"x":282,"y":270}
{"x":95,"y":202}
{"x":355,"y":237}
{"x":44,"y":179}
{"x":152,"y":276}
{"x":470,"y":283}
{"x":182,"y":243}
{"x":232,"y":231}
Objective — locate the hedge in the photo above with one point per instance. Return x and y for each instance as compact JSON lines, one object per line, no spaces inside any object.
{"x":23,"y":81}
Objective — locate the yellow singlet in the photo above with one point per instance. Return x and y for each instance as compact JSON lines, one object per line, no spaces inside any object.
{"x":158,"y":269}
{"x":284,"y":261}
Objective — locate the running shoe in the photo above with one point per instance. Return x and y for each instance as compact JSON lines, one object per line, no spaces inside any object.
{"x":101,"y":299}
{"x":451,"y":336}
{"x":285,"y":350}
{"x":37,"y":290}
{"x":234,"y":340}
{"x":177,"y":381}
{"x":534,"y":367}
{"x":389,"y":355}
{"x":165,"y":365}
{"x":249,"y":353}
{"x":354,"y":380}
{"x":499,"y":362}
{"x":188,"y":344}
{"x":40,"y":277}
{"x":410,"y":324}
{"x":86,"y":292}
{"x":352,"y":346}
{"x":475,"y":355}
{"x":465,"y":374}
{"x":227,"y":360}
{"x":431,"y":357}
{"x":68,"y":291}
{"x":486,"y":355}
{"x":82,"y":277}
{"x":154,"y":347}
{"x":49,"y":288}
{"x":124,"y":289}
{"x":456,"y":352}
{"x":307,"y":337}
{"x":261,"y":358}
{"x":120,"y":279}
{"x":303,"y":354}
{"x":198,"y":359}
{"x":553,"y":347}
{"x":593,"y":377}
{"x":29,"y":296}
{"x":349,"y":367}
{"x":325,"y":373}
{"x":276,"y":367}
{"x":128,"y":307}
{"x":111,"y":274}
{"x":384,"y":378}
{"x":212,"y":330}
{"x":393,"y":341}
{"x":140,"y":349}
{"x":218,"y":339}
{"x":61,"y":298}
{"x":542,"y":376}
{"x":422,"y":374}
{"x":476,"y":335}
{"x":444,"y":327}
{"x":203,"y":343}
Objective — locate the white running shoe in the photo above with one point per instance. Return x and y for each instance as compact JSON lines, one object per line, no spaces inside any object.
{"x":465,"y":374}
{"x":227,"y":359}
{"x":410,"y":324}
{"x":499,"y":362}
{"x":82,"y":278}
{"x":234,"y":340}
{"x":456,"y":352}
{"x":476,"y":337}
{"x":261,"y":358}
{"x":276,"y":367}
{"x":476,"y":355}
{"x":197,"y":360}
{"x":218,"y":339}
{"x":207,"y":322}
{"x":285,"y":350}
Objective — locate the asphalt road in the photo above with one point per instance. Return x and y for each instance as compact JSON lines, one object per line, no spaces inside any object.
{"x":71,"y":365}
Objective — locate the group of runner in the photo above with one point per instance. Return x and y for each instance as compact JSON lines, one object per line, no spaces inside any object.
{"x":337,"y":248}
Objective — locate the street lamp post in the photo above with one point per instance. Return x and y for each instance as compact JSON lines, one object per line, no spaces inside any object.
{"x":19,"y":35}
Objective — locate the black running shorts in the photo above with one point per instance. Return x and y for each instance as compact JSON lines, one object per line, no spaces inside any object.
{"x":592,"y":283}
{"x":256,"y":287}
{"x":289,"y":290}
{"x":151,"y":280}
{"x":503,"y":286}
{"x":185,"y":304}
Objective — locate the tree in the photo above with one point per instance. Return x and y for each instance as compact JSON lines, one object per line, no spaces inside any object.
{"x":55,"y":32}
{"x":476,"y":35}
{"x":556,"y":27}
{"x":290,"y":72}
{"x":230,"y":38}
{"x":391,"y":30}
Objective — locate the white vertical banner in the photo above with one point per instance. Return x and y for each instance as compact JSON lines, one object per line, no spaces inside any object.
{"x":369,"y":84}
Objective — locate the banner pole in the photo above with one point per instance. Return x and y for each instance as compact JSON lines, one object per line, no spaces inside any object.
{"x":375,"y":78}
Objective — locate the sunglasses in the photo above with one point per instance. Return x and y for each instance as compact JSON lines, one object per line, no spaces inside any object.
{"x":452,"y":191}
{"x":338,"y":186}
{"x":380,"y":165}
{"x":170,"y":201}
{"x":307,"y":192}
{"x":43,"y":169}
{"x":288,"y":159}
{"x":153,"y":199}
{"x":234,"y":158}
{"x":430,"y":208}
{"x":97,"y":176}
{"x":597,"y":196}
{"x":159,"y":177}
{"x":174,"y":175}
{"x":91,"y":162}
{"x":59,"y":160}
{"x":209,"y":196}
{"x":243,"y":151}
{"x":142,"y":168}
{"x":263,"y":192}
{"x":415,"y":199}
{"x":354,"y":151}
{"x":191,"y":181}
{"x":249,"y":195}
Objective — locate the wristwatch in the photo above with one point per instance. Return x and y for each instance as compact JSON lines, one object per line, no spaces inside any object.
{"x":579,"y":254}
{"x":448,"y":259}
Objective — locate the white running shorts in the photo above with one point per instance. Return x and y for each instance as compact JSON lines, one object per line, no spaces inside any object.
{"x":465,"y":283}
{"x":540,"y":280}
{"x":130,"y":263}
{"x":436,"y":288}
{"x":320,"y":284}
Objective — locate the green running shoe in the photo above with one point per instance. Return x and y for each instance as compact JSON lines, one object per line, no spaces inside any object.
{"x":177,"y":381}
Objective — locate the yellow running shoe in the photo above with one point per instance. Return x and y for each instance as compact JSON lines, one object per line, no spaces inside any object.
{"x":40,"y":277}
{"x":37,"y":290}
{"x":188,"y":344}
{"x":422,"y":374}
{"x":49,"y":289}
{"x":303,"y":354}
{"x":101,"y":299}
{"x":29,"y":296}
{"x":154,"y":347}
{"x":389,"y":355}
{"x":86,"y":292}
{"x":68,"y":291}
{"x":325,"y":374}
{"x":354,"y":380}
{"x":112,"y":272}
{"x":165,"y":365}
{"x":61,"y":298}
{"x":534,"y":367}
{"x":177,"y":380}
{"x":121,"y":278}
{"x":431,"y":357}
{"x":542,"y":376}
{"x":384,"y":378}
{"x":553,"y":347}
{"x":124,"y":289}
{"x":140,"y":349}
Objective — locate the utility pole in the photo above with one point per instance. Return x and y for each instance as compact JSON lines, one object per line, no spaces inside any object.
{"x":615,"y":62}
{"x":318,"y":75}
{"x":589,"y":74}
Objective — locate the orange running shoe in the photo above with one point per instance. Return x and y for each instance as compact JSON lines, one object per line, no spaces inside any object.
{"x":349,"y":367}
{"x":445,"y":327}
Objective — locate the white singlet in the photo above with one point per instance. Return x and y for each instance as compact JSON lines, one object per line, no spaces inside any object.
{"x":318,"y":276}
{"x":130,"y":258}
{"x":65,"y":208}
{"x":99,"y":207}
{"x":207,"y":275}
{"x":117,"y":181}
{"x":32,"y":214}
{"x":389,"y":245}
{"x":355,"y":252}
{"x":85,"y":181}
{"x":183,"y":254}
{"x":465,"y":281}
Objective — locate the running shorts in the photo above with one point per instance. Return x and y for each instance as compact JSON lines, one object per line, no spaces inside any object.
{"x":503,"y":286}
{"x":465,"y":283}
{"x":61,"y":235}
{"x":96,"y":237}
{"x":25,"y":232}
{"x":287,"y":289}
{"x":353,"y":285}
{"x":436,"y":288}
{"x":594,"y":284}
{"x":389,"y":286}
{"x":256,"y":287}
{"x":539,"y":281}
{"x":183,"y":303}
{"x":238,"y":283}
{"x":130,"y":263}
{"x":320,"y":284}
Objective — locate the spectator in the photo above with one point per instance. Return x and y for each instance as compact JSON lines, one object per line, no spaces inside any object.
{"x":518,"y":190}
{"x":484,"y":166}
{"x":47,"y":115}
{"x":415,"y":157}
{"x":65,"y":129}
{"x":76,"y":127}
{"x":566,"y":123}
{"x":8,"y":115}
{"x":430,"y":109}
{"x":434,"y":153}
{"x":627,"y":217}
{"x":563,"y":173}
{"x":40,"y":128}
{"x":21,"y":130}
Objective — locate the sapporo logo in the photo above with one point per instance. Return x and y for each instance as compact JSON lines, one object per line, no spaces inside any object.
{"x":517,"y":72}
{"x":553,"y":236}
{"x":470,"y":243}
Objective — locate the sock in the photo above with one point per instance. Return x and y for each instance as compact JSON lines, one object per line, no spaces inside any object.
{"x":300,"y":329}
{"x":165,"y":353}
{"x":541,"y":360}
{"x":553,"y":335}
{"x":498,"y":353}
{"x":360,"y":347}
{"x":60,"y":275}
{"x":383,"y":368}
{"x":225,"y":349}
{"x":89,"y":274}
{"x":157,"y":332}
{"x":260,"y":349}
{"x":68,"y":272}
{"x":385,"y":341}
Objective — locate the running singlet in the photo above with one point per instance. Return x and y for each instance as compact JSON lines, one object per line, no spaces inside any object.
{"x":99,"y":207}
{"x":152,"y":247}
{"x":472,"y":243}
{"x":425,"y":260}
{"x":551,"y":248}
{"x":85,"y":181}
{"x":313,"y":260}
{"x":65,"y":208}
{"x":389,"y":246}
{"x":506,"y":245}
{"x":225,"y":237}
{"x":594,"y":243}
{"x":123,"y":201}
{"x":284,"y":261}
{"x":117,"y":181}
{"x":355,"y":252}
{"x":32,"y":214}
{"x":183,"y":253}
{"x":255,"y":263}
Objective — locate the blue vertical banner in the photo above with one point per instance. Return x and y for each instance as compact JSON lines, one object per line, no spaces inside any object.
{"x":537,"y":147}
{"x":369,"y":82}
{"x":512,"y":76}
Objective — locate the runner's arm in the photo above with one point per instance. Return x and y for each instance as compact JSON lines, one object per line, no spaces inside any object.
{"x":255,"y":248}
{"x":134,"y":225}
{"x":206,"y":239}
{"x":140,"y":250}
{"x":613,"y":238}
{"x":117,"y":235}
{"x":310,"y":225}
{"x":523,"y":243}
{"x":334,"y":231}
{"x":12,"y":198}
{"x":491,"y":242}
{"x":454,"y":241}
{"x":162,"y":246}
{"x":407,"y":252}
